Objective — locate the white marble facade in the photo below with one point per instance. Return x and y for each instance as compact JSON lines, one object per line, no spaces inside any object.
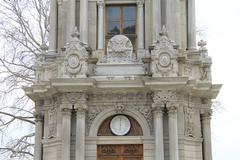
{"x":164,"y":83}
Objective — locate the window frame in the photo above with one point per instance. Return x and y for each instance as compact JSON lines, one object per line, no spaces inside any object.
{"x":133,"y":36}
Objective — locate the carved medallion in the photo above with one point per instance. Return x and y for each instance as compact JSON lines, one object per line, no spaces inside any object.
{"x":164,"y":59}
{"x":73,"y":61}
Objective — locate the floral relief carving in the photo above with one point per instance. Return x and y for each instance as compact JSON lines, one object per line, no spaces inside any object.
{"x":52,"y":122}
{"x":189,"y":121}
{"x":188,"y":69}
{"x":119,"y":49}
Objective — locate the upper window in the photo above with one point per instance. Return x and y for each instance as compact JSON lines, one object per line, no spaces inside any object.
{"x":121,"y":20}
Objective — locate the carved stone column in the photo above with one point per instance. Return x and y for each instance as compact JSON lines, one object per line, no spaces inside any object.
{"x":81,"y":107}
{"x":66,"y":132}
{"x":38,"y":137}
{"x":206,"y":127}
{"x":80,"y":134}
{"x":156,"y":18}
{"x":171,"y":18}
{"x":140,"y":20}
{"x":83,"y":21}
{"x":53,"y":26}
{"x":71,"y":18}
{"x":191,"y":25}
{"x":158,"y":128}
{"x":173,"y":133}
{"x":100,"y":24}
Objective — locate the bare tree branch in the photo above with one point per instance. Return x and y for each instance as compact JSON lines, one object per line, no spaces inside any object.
{"x":24,"y":27}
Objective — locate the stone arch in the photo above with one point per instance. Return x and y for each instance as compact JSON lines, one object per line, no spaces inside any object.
{"x":110,"y":112}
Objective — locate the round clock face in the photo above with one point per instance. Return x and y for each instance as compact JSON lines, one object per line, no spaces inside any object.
{"x":120,"y":125}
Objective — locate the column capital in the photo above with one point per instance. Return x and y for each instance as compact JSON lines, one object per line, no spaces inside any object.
{"x":81,"y":109}
{"x":172,"y":110}
{"x":158,"y":107}
{"x":38,"y":117}
{"x":140,"y":3}
{"x":164,"y":97}
{"x":74,"y":98}
{"x":206,"y":115}
{"x":66,"y":111}
{"x":158,"y":110}
{"x":100,"y":3}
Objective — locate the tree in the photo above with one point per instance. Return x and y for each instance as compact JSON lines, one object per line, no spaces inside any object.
{"x":23,"y":29}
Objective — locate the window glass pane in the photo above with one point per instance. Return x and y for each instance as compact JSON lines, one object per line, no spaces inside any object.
{"x":114,"y":27}
{"x":114,"y":13}
{"x":129,"y":27}
{"x":129,"y":13}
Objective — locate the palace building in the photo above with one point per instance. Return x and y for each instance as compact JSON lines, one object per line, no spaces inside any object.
{"x":123,"y":80}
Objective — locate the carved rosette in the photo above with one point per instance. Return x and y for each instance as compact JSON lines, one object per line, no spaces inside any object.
{"x":119,"y":49}
{"x":119,"y":108}
{"x":163,"y":57}
{"x":76,"y":60}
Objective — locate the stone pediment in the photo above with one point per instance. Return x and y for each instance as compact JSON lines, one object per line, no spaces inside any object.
{"x":119,"y":50}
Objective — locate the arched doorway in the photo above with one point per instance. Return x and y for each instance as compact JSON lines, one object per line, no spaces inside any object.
{"x":120,"y":126}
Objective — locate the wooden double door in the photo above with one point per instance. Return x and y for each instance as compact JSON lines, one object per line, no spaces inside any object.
{"x":120,"y":152}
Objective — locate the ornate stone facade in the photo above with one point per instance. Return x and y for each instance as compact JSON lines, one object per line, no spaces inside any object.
{"x":134,"y":67}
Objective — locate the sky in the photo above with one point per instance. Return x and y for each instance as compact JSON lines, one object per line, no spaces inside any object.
{"x":220,"y":19}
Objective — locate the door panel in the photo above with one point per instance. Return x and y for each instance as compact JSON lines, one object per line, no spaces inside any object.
{"x":120,"y":152}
